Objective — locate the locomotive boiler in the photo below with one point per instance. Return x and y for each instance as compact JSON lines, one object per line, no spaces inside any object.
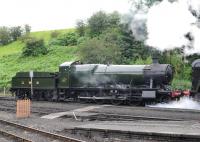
{"x":100,"y":83}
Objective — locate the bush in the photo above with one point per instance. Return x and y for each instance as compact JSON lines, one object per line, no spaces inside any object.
{"x":34,"y":47}
{"x":67,"y":39}
{"x":54,"y":34}
{"x":82,"y":39}
{"x":54,"y":41}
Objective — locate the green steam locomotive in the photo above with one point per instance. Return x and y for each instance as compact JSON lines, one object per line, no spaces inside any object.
{"x":99,"y":83}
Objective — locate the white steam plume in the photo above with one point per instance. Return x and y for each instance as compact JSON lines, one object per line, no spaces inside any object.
{"x":170,"y":24}
{"x":183,"y":103}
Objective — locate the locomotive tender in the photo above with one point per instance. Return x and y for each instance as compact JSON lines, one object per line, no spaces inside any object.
{"x":131,"y":84}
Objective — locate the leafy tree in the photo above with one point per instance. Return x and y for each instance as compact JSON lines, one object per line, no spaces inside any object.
{"x":34,"y":47}
{"x":15,"y":32}
{"x":80,"y":28}
{"x":100,"y":21}
{"x":27,"y":28}
{"x":5,"y":37}
{"x":99,"y":51}
{"x":131,"y":49}
{"x":113,"y":19}
{"x":97,"y":23}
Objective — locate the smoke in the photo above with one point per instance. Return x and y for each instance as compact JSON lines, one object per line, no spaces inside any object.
{"x":138,"y":24}
{"x":183,"y":103}
{"x":169,"y":24}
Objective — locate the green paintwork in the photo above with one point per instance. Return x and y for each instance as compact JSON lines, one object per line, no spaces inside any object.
{"x":95,"y":75}
{"x":41,"y":80}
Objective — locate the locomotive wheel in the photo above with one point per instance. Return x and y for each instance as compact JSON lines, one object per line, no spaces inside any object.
{"x":49,"y":96}
{"x":134,"y":102}
{"x":100,"y":101}
{"x":165,"y":99}
{"x":83,"y":101}
{"x":116,"y":102}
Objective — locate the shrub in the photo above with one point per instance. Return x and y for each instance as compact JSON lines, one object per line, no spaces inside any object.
{"x":67,"y":39}
{"x":34,"y":47}
{"x":54,"y":34}
{"x":82,"y":39}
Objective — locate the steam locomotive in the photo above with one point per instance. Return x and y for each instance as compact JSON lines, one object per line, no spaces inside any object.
{"x":99,"y":83}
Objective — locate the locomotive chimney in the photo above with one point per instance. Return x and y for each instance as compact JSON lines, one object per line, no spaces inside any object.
{"x":155,"y":60}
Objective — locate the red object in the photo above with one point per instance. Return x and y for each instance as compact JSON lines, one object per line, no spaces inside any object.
{"x":176,"y":93}
{"x":186,"y":93}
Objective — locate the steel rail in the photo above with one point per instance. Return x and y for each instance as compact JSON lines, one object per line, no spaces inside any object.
{"x":13,"y":136}
{"x":44,"y":133}
{"x":137,"y":134}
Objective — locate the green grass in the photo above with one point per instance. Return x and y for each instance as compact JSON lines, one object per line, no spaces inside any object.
{"x":10,"y":49}
{"x":46,"y":35}
{"x":11,"y":60}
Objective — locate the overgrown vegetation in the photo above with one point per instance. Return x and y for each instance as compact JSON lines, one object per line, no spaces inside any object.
{"x":34,"y":47}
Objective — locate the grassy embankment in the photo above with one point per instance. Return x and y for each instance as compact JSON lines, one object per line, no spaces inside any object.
{"x":11,"y":60}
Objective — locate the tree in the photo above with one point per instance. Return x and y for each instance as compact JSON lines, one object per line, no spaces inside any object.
{"x":27,"y":28}
{"x":15,"y":32}
{"x":100,"y":21}
{"x":97,"y":23}
{"x":34,"y":47}
{"x":80,"y":27}
{"x":98,"y":51}
{"x":4,"y":35}
{"x":114,"y":19}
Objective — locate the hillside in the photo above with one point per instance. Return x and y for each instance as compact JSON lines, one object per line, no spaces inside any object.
{"x":11,"y":60}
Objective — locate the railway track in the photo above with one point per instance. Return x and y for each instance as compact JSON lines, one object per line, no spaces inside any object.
{"x":45,"y":108}
{"x":12,"y":127}
{"x":13,"y":136}
{"x":130,"y":136}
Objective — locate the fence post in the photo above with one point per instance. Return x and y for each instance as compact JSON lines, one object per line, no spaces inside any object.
{"x":4,"y":91}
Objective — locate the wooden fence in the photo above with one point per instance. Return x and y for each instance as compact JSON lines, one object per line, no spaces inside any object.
{"x":23,"y":108}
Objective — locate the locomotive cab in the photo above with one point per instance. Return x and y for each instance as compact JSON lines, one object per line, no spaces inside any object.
{"x":64,"y":74}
